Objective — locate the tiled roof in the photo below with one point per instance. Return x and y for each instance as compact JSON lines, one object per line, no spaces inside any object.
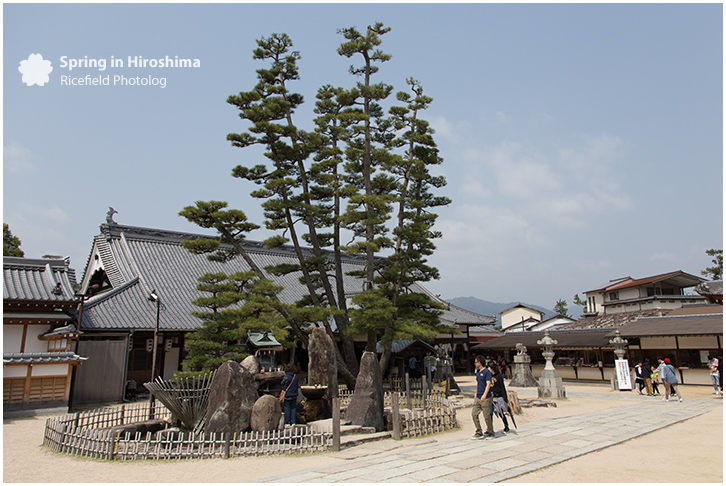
{"x":610,"y":320}
{"x":583,"y":338}
{"x":30,"y":279}
{"x":142,"y":259}
{"x":35,"y":358}
{"x":402,"y":344}
{"x":688,"y":325}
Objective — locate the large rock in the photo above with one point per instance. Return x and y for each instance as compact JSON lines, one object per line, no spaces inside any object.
{"x":266,"y":414}
{"x":232,"y":395}
{"x":322,"y":364}
{"x":250,"y":364}
{"x":366,"y":404}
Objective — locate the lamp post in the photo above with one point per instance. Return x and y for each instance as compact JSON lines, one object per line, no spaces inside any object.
{"x":153,"y":297}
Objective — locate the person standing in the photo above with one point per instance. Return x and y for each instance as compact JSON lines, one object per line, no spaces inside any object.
{"x":714,"y":373}
{"x":289,"y":394}
{"x":647,"y":370}
{"x":483,"y":400}
{"x":670,"y":380}
{"x":639,"y":371}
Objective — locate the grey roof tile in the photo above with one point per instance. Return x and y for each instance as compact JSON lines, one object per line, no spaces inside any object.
{"x":142,"y":259}
{"x":38,"y":279}
{"x":35,"y":358}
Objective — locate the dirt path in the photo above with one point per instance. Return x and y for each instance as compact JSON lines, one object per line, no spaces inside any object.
{"x":696,"y":447}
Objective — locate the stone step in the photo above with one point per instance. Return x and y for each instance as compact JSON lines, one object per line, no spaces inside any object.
{"x":358,"y":439}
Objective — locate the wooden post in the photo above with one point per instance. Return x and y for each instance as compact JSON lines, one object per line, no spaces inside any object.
{"x":396,"y":417}
{"x":408,"y":392}
{"x":336,"y":424}
{"x":226,"y":445}
{"x":424,"y":390}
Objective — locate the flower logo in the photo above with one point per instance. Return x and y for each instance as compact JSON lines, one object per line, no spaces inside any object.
{"x":35,"y":70}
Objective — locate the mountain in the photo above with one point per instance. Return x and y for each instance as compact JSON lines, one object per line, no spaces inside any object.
{"x":493,"y":308}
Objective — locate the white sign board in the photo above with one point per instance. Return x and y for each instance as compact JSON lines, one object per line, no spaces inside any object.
{"x":622,"y":371}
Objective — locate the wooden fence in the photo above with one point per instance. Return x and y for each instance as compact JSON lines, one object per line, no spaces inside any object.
{"x":86,"y":434}
{"x":90,"y":434}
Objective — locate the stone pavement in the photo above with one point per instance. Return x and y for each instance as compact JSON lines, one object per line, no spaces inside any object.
{"x":533,"y":446}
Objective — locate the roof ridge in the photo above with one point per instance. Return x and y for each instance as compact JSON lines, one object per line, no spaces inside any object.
{"x":97,"y":299}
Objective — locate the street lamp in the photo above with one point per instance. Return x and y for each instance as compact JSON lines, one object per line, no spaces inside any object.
{"x":153,"y":297}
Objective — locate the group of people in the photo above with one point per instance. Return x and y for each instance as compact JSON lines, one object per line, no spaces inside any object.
{"x":491,"y":396}
{"x":647,"y":378}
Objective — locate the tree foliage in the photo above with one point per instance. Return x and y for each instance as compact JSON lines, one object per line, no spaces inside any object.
{"x":715,"y":272}
{"x":235,"y":304}
{"x":358,"y":183}
{"x":560,"y":307}
{"x":11,"y":244}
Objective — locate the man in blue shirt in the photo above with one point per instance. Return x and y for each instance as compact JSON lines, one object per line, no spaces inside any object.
{"x":483,"y":400}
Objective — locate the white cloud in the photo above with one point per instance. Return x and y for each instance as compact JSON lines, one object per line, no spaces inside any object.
{"x":503,"y":117}
{"x":664,"y":256}
{"x":17,"y":159}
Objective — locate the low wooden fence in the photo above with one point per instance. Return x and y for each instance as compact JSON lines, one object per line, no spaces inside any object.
{"x":86,"y":434}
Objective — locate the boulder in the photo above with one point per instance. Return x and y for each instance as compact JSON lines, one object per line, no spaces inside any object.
{"x":322,"y":363}
{"x":266,"y":414}
{"x":232,"y":395}
{"x":366,"y":404}
{"x":250,"y":364}
{"x":143,"y":428}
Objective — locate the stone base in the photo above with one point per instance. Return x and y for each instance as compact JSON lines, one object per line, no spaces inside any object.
{"x":315,"y":410}
{"x":522,"y":374}
{"x":550,"y":386}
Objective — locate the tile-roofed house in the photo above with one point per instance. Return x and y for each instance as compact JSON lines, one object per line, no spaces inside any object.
{"x":128,"y":262}
{"x":664,"y":291}
{"x":39,"y":349}
{"x":712,"y":291}
{"x":520,"y":314}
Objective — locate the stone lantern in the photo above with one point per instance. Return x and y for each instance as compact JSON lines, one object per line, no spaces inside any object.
{"x":621,"y":379}
{"x":550,"y":383}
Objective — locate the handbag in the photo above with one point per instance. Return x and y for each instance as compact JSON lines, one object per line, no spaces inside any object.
{"x":282,"y":393}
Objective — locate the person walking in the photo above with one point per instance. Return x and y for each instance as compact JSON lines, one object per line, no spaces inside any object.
{"x":654,"y":380}
{"x":289,"y":394}
{"x":500,"y":402}
{"x":670,"y":380}
{"x":483,"y":400}
{"x":714,"y":373}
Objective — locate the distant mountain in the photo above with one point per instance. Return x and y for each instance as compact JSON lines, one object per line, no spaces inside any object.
{"x":493,"y":308}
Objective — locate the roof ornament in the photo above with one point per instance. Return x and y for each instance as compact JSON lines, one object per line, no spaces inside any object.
{"x":109,"y":215}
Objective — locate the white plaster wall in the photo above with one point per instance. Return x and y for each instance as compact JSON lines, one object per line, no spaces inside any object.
{"x":15,"y":371}
{"x":32,"y":343}
{"x":12,"y":338}
{"x":657,"y":343}
{"x":698,"y":342}
{"x":54,"y":369}
{"x":515,"y":316}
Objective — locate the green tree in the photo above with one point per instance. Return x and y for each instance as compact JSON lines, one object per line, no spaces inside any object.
{"x":11,"y":244}
{"x":343,"y":178}
{"x":236,"y":304}
{"x":715,"y":272}
{"x":560,"y":307}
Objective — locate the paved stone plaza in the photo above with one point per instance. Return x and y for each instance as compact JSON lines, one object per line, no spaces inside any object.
{"x":533,"y":446}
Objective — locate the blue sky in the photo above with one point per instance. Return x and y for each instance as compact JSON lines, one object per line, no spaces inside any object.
{"x":581,"y":143}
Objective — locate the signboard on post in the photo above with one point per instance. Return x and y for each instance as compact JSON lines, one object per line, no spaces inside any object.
{"x":622,"y":372}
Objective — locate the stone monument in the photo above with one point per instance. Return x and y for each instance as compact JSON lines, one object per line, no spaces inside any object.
{"x":232,"y":395}
{"x":522,"y":373}
{"x":550,"y":383}
{"x":366,"y":404}
{"x":322,"y":384}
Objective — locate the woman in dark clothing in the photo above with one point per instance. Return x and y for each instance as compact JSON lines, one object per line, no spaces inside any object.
{"x":499,"y":392}
{"x":290,"y":389}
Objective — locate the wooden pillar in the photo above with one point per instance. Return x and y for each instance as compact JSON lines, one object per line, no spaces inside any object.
{"x":336,"y":424}
{"x":396,"y":434}
{"x":408,"y":392}
{"x":26,"y":385}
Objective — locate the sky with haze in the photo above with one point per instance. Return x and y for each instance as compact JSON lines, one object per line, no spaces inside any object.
{"x":581,"y":142}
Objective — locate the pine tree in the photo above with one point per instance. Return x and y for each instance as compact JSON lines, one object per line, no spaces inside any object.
{"x":11,"y":244}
